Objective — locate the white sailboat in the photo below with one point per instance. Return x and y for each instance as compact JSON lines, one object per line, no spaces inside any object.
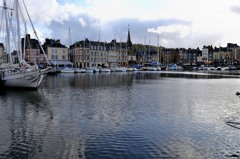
{"x":18,"y":73}
{"x":68,"y":70}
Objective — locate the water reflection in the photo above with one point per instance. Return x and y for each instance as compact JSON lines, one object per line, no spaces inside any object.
{"x":116,"y":79}
{"x":24,"y":114}
{"x":121,"y":115}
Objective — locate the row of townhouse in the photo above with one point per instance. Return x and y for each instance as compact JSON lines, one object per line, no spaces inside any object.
{"x":88,"y":53}
{"x":208,"y":55}
{"x":56,"y":53}
{"x":81,"y":54}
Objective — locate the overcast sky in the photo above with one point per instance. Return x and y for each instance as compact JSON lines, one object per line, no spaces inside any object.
{"x":179,"y":23}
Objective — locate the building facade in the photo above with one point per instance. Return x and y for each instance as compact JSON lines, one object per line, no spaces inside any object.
{"x":32,"y":51}
{"x":87,"y":53}
{"x":57,"y":53}
{"x":93,"y":54}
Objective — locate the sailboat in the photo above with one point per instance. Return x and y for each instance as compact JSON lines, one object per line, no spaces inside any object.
{"x":16,"y":72}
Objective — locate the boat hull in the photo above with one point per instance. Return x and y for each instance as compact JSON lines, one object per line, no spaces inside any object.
{"x":68,"y":70}
{"x":30,"y":80}
{"x":105,"y":70}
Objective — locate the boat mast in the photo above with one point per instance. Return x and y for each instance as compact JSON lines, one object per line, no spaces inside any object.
{"x":149,"y":55}
{"x":70,"y":51}
{"x":18,"y":33}
{"x":24,"y":43}
{"x":70,"y":37}
{"x":158,"y":48}
{"x":36,"y":34}
{"x":120,"y":50}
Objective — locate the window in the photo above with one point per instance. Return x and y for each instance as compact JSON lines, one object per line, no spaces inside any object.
{"x":54,"y":57}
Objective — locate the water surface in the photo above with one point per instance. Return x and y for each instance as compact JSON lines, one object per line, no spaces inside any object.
{"x":122,"y":115}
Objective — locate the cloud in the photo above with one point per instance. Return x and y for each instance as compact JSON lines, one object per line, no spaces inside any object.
{"x":80,"y":28}
{"x":172,"y":32}
{"x":235,"y":9}
{"x":51,"y":10}
{"x":181,"y":30}
{"x":41,"y":12}
{"x":179,"y":23}
{"x":82,"y":22}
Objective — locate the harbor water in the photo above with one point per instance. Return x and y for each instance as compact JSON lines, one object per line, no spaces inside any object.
{"x":122,"y":116}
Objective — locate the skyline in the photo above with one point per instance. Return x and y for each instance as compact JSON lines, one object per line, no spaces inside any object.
{"x":186,"y":24}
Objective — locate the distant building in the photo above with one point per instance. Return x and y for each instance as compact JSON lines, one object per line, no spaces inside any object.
{"x":228,"y":55}
{"x":113,"y":56}
{"x":55,"y":50}
{"x":87,"y":53}
{"x":57,"y":53}
{"x":131,"y":55}
{"x":207,"y":55}
{"x":32,"y":51}
{"x":117,"y":53}
{"x":237,"y":54}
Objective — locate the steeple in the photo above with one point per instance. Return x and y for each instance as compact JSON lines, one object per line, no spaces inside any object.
{"x":129,"y":43}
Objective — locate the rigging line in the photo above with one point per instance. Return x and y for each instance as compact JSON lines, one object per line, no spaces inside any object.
{"x":1,"y":25}
{"x":13,"y":40}
{"x":25,"y":33}
{"x":8,"y":47}
{"x":18,"y":31}
{"x":14,"y":31}
{"x":35,"y":33}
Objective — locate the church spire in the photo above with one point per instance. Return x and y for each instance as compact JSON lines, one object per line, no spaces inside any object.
{"x":129,"y":42}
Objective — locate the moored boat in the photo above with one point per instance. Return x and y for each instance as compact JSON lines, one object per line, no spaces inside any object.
{"x":105,"y":70}
{"x":129,"y":69}
{"x":68,"y":70}
{"x":18,"y":73}
{"x":95,"y":70}
{"x":23,"y":78}
{"x":79,"y":70}
{"x":134,"y":69}
{"x":89,"y":70}
{"x":148,"y":68}
{"x":120,"y":69}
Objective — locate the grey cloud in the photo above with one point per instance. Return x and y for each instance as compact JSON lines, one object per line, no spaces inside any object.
{"x":118,"y":29}
{"x":78,"y":31}
{"x":139,"y":30}
{"x":235,"y":9}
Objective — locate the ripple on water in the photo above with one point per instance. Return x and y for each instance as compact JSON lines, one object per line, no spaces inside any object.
{"x":120,"y":116}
